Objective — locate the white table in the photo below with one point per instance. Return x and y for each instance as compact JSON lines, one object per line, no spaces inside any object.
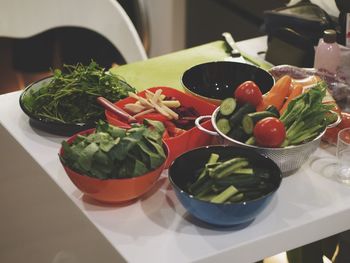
{"x":44,"y":218}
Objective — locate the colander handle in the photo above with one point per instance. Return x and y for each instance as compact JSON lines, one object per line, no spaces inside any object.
{"x":200,"y":127}
{"x":336,"y":122}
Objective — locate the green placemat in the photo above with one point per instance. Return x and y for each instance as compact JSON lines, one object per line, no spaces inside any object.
{"x":167,"y":70}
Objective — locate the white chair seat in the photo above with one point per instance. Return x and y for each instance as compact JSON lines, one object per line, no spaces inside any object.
{"x":21,"y":19}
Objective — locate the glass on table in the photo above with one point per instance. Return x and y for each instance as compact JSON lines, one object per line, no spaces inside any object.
{"x":343,"y":156}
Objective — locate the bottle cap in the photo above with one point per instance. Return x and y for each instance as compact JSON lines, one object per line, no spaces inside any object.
{"x":329,"y":36}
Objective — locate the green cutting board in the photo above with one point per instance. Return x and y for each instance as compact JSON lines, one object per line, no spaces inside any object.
{"x":167,"y":70}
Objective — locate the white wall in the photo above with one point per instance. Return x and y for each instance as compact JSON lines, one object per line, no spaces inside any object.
{"x":167,"y":26}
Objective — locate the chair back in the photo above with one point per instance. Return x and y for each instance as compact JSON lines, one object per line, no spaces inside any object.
{"x":22,"y":19}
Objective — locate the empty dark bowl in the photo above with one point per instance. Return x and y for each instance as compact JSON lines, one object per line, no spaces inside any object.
{"x":215,"y":81}
{"x":184,"y":168}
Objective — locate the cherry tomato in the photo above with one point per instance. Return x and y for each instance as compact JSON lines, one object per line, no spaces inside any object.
{"x":269,"y":132}
{"x":248,"y":92}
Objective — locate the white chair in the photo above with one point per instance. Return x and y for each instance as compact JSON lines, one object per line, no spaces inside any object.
{"x":21,"y":19}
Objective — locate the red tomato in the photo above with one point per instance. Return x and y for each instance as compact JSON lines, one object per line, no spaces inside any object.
{"x":248,"y":92}
{"x":269,"y":132}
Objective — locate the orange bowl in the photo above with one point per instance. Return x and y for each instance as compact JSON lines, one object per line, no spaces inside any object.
{"x":113,"y":190}
{"x":190,"y":139}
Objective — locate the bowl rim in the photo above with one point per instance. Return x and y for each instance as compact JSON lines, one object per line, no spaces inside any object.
{"x":71,"y":139}
{"x":214,"y":100}
{"x":276,"y":187}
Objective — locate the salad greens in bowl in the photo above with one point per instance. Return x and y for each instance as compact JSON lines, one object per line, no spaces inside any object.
{"x":65,"y":103}
{"x":113,"y":164}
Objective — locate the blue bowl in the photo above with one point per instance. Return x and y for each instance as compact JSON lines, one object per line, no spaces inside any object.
{"x":183,"y":169}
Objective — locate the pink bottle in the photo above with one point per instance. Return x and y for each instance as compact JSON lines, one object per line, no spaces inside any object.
{"x":327,"y":54}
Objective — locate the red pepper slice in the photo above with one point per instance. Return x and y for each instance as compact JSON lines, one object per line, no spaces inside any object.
{"x":153,"y":116}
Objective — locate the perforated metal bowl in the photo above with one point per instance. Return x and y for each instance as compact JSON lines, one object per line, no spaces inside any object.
{"x":288,"y":159}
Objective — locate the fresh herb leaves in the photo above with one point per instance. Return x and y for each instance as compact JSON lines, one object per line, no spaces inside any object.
{"x":70,"y":97}
{"x":113,"y":152}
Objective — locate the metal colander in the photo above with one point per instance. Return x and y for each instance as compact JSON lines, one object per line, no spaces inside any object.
{"x":288,"y":158}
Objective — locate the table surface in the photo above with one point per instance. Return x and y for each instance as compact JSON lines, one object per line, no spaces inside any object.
{"x":309,"y":205}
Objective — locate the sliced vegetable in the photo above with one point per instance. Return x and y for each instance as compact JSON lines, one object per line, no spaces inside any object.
{"x":225,"y":195}
{"x":151,"y":116}
{"x":237,"y":117}
{"x":227,"y":106}
{"x":229,"y":180}
{"x":269,"y":132}
{"x":248,"y":92}
{"x":277,"y":94}
{"x":238,"y":133}
{"x":296,"y":91}
{"x":223,"y":125}
{"x":226,"y":168}
{"x":212,"y":160}
{"x":250,"y":119}
{"x":153,"y":101}
{"x":173,"y":131}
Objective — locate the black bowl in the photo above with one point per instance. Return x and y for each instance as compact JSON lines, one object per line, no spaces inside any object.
{"x":183,"y":169}
{"x":51,"y":126}
{"x":215,"y":81}
{"x":58,"y":128}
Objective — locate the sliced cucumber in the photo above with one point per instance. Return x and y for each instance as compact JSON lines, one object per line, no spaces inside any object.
{"x":250,"y":119}
{"x":238,"y":134}
{"x":227,"y":106}
{"x":237,"y":117}
{"x":223,"y":125}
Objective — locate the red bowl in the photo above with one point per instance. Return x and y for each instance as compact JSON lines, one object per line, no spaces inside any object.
{"x":190,"y":139}
{"x":113,"y":190}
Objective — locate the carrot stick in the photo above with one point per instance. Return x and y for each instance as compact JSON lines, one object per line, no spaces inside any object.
{"x":277,"y":94}
{"x":297,"y":90}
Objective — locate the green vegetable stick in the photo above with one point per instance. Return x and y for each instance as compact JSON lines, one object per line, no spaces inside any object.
{"x":225,"y":195}
{"x":212,"y":159}
{"x":236,"y":198}
{"x":230,"y":168}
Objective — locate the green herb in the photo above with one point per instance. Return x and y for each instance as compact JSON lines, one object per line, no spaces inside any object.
{"x":112,"y":152}
{"x":70,"y":97}
{"x":305,"y":116}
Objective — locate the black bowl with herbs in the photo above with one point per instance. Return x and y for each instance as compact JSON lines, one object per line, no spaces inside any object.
{"x":66,"y":102}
